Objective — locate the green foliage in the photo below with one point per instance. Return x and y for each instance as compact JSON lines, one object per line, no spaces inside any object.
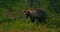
{"x":24,"y":24}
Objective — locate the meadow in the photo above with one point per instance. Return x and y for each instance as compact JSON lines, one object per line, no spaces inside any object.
{"x":8,"y":24}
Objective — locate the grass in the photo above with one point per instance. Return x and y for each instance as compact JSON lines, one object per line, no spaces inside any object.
{"x":24,"y":24}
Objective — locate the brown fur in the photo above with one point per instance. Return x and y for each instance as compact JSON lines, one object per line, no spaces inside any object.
{"x":36,"y":14}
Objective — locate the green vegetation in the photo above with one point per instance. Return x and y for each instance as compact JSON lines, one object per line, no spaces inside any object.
{"x":22,"y":24}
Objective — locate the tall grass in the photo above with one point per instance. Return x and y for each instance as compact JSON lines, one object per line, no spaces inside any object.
{"x":24,"y":24}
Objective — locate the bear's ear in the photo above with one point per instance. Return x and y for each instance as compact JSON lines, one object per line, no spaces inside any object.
{"x":24,"y":10}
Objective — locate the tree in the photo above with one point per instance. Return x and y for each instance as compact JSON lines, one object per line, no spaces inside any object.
{"x":37,"y":3}
{"x":31,"y":3}
{"x":55,"y":7}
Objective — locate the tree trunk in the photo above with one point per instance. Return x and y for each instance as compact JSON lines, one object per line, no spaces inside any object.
{"x":55,"y":8}
{"x":37,"y":3}
{"x":31,"y":3}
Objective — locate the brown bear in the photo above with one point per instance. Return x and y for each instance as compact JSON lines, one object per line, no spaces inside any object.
{"x":38,"y":14}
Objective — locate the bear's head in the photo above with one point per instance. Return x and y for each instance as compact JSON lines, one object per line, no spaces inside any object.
{"x":27,"y":12}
